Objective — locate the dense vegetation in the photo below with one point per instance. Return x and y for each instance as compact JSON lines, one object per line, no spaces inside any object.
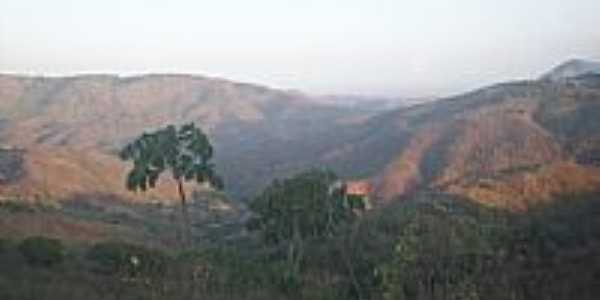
{"x":430,"y":246}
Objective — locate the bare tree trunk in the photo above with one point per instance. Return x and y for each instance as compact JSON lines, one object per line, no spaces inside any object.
{"x":185,"y":216}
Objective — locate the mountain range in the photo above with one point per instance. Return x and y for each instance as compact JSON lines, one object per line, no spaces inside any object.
{"x":508,"y":144}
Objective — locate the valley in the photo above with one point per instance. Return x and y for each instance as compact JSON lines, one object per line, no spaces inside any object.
{"x":478,"y":194}
{"x":483,"y":142}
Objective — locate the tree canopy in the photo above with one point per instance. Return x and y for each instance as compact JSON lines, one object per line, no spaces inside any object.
{"x":310,"y":204}
{"x":185,"y":152}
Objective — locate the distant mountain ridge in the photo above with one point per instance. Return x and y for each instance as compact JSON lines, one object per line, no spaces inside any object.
{"x":572,"y":68}
{"x":505,"y":144}
{"x":508,"y":144}
{"x":259,"y":133}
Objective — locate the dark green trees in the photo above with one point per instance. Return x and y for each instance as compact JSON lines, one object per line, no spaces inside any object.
{"x":309,"y":206}
{"x":185,"y":152}
{"x":42,"y":251}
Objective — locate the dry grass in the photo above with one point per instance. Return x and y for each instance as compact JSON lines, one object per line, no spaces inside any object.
{"x":521,"y":190}
{"x":62,"y":173}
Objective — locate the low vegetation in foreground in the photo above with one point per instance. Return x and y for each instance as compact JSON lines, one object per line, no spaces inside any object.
{"x":430,"y":246}
{"x":304,"y":237}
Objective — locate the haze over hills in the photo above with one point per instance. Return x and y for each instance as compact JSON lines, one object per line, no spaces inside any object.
{"x":501,"y":144}
{"x":370,"y":104}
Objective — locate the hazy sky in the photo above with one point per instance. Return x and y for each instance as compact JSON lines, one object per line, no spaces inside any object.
{"x":395,"y":47}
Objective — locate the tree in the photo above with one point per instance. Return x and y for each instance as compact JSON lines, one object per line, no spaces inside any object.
{"x":308,"y":206}
{"x":185,"y":152}
{"x":42,"y":251}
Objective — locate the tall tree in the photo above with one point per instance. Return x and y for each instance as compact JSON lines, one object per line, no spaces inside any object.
{"x":184,"y":152}
{"x":311,"y":205}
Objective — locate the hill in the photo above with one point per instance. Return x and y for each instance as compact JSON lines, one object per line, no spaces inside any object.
{"x":504,"y":144}
{"x":508,"y":144}
{"x":488,"y":195}
{"x":572,"y":68}
{"x":70,"y":128}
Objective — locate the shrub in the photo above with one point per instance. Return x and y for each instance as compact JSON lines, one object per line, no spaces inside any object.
{"x":127,"y":259}
{"x":3,"y":244}
{"x":15,"y":206}
{"x":42,"y":251}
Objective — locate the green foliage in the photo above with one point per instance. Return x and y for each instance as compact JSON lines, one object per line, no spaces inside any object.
{"x":4,"y":243}
{"x":16,"y":206}
{"x":219,"y":269}
{"x":447,"y":253}
{"x":126,"y":259}
{"x":437,"y":250}
{"x":296,"y":212}
{"x":42,"y":251}
{"x":185,"y":152}
{"x":430,"y":247}
{"x":308,"y":205}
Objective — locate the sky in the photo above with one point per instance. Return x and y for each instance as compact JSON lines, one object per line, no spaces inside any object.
{"x":396,"y":48}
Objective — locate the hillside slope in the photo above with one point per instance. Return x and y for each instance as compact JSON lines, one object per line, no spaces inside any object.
{"x":70,"y":128}
{"x":506,"y":144}
{"x":504,"y":140}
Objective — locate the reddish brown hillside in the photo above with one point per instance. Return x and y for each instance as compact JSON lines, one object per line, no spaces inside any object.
{"x":503,"y":137}
{"x":71,"y":129}
{"x":61,"y":173}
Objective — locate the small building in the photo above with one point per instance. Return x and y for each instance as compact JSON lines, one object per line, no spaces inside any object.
{"x":363,"y":189}
{"x":359,"y":188}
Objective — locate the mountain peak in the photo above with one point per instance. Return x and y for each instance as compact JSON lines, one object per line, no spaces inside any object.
{"x":572,"y":68}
